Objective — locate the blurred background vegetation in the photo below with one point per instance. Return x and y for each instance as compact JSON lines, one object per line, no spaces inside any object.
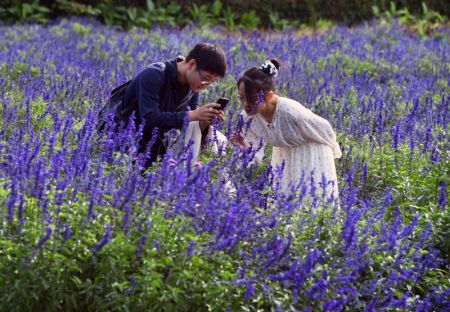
{"x":232,"y":14}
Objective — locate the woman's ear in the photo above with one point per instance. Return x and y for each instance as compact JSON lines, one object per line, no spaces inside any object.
{"x":269,"y":96}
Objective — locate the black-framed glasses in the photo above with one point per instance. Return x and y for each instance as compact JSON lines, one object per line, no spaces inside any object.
{"x":203,"y":80}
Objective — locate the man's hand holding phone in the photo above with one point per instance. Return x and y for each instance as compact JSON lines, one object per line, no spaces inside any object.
{"x":206,"y":112}
{"x":223,"y":103}
{"x":209,"y":111}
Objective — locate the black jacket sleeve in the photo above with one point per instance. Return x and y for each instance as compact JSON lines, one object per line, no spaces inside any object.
{"x":149,"y":83}
{"x":193,"y":103}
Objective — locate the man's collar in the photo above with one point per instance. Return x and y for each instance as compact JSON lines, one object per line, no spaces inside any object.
{"x":172,"y":68}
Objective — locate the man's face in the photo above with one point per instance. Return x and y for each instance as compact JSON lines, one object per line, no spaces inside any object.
{"x":201,"y":79}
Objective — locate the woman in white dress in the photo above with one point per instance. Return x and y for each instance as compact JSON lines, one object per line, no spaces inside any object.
{"x":303,"y":141}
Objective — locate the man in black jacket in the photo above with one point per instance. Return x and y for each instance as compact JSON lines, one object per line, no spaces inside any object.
{"x":165,"y":94}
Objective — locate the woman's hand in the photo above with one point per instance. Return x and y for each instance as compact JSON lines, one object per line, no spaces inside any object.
{"x":238,"y":140}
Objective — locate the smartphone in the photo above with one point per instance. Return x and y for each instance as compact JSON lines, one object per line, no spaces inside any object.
{"x":223,"y":102}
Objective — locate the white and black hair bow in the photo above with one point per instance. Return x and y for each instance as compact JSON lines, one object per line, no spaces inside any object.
{"x":269,"y":69}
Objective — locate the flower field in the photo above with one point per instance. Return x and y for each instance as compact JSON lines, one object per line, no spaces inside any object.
{"x":83,"y":228}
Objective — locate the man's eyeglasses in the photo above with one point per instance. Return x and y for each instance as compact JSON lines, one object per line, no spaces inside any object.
{"x":203,"y":80}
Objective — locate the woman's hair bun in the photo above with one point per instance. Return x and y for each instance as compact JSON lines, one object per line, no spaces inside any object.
{"x":270,"y":67}
{"x":275,"y":62}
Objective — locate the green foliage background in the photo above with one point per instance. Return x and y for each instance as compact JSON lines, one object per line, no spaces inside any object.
{"x":231,"y":14}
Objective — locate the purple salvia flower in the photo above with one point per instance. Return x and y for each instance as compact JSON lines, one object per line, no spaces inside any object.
{"x":42,"y":241}
{"x":67,"y":232}
{"x":443,"y":196}
{"x":250,"y":290}
{"x":12,"y":199}
{"x":332,"y":305}
{"x":426,"y":142}
{"x":396,"y":135}
{"x":140,"y":249}
{"x":157,"y":245}
{"x":103,"y":241}
{"x":190,"y":250}
{"x":393,"y":234}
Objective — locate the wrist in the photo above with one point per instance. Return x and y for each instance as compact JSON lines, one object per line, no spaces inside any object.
{"x":204,"y":125}
{"x":192,"y":116}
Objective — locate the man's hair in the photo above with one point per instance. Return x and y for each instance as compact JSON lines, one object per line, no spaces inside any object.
{"x":209,"y":57}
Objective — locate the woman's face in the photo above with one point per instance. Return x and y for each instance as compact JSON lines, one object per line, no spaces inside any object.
{"x":249,"y":109}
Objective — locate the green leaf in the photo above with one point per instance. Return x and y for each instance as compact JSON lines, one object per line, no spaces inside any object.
{"x":150,"y":6}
